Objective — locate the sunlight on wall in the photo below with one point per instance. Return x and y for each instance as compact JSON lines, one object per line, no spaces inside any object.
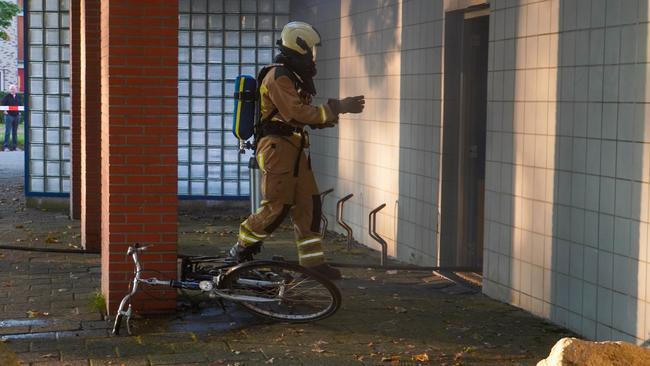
{"x":533,"y":157}
{"x":368,"y":156}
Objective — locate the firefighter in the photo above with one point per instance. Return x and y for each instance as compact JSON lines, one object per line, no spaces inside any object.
{"x":288,"y":184}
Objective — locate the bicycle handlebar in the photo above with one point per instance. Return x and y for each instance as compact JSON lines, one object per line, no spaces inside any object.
{"x":136,"y":248}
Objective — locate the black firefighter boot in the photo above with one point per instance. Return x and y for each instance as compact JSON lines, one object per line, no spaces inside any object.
{"x":239,"y":253}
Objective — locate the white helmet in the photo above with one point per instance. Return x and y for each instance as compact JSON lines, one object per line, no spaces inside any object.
{"x":298,"y":35}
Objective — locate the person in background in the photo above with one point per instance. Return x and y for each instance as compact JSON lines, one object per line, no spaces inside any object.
{"x":11,"y":119}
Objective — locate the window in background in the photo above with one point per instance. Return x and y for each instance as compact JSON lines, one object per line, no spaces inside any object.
{"x":218,"y":40}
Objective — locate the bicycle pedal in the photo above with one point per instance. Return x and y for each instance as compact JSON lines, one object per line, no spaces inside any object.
{"x":278,"y":258}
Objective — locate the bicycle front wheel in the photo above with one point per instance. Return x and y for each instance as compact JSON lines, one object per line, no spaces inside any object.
{"x":282,"y":291}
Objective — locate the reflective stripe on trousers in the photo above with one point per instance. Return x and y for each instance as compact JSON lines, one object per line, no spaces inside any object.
{"x":310,"y":252}
{"x":248,"y":237}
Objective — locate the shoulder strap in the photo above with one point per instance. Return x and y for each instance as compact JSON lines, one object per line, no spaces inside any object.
{"x":258,"y":106}
{"x":285,"y":71}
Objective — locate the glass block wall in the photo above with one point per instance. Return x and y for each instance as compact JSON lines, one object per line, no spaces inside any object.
{"x":218,"y":40}
{"x":48,"y":87}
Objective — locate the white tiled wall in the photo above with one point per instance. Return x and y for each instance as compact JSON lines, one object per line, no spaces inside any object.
{"x":568,"y":154}
{"x":391,"y":52}
{"x":567,"y":171}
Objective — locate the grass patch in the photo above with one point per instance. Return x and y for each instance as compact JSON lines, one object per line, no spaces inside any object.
{"x":98,"y":303}
{"x":21,"y":135}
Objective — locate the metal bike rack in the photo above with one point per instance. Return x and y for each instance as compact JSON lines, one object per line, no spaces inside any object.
{"x":339,"y":218}
{"x":323,"y":219}
{"x":372,"y":230}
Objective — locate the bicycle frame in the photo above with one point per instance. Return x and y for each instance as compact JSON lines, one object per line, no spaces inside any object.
{"x":204,"y":283}
{"x":137,"y":279}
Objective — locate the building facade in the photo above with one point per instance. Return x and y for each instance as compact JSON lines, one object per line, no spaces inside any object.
{"x":217,"y":41}
{"x":9,"y":54}
{"x":510,"y":136}
{"x":565,"y":192}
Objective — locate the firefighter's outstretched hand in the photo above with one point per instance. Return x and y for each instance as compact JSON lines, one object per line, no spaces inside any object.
{"x":352,"y":104}
{"x":348,"y":105}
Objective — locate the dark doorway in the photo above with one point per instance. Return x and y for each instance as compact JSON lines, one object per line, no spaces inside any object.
{"x":465,"y":113}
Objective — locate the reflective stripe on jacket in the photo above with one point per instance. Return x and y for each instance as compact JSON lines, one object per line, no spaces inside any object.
{"x":278,"y":91}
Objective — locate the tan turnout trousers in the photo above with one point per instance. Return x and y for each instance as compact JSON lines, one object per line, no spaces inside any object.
{"x":284,"y":194}
{"x":286,"y":191}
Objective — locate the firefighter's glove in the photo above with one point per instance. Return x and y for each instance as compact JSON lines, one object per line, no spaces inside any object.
{"x":348,"y":105}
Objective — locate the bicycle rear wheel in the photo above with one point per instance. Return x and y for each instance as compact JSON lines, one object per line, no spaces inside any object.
{"x":282,"y":291}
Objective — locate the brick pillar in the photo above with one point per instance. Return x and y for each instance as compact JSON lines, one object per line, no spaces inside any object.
{"x":75,"y":112}
{"x":139,"y":102}
{"x":90,"y":126}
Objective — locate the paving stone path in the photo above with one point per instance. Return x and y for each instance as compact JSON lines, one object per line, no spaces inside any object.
{"x":387,"y":318}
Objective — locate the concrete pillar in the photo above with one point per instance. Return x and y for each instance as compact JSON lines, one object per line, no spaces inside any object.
{"x":75,"y":112}
{"x":139,"y":102}
{"x":90,"y":88}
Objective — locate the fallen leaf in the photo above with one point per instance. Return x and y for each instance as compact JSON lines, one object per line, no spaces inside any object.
{"x":399,"y":309}
{"x":423,"y":357}
{"x":317,"y":346}
{"x":32,"y":313}
{"x":390,"y":359}
{"x":51,"y":240}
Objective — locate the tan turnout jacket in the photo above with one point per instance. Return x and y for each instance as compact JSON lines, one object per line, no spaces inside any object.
{"x":278,"y":91}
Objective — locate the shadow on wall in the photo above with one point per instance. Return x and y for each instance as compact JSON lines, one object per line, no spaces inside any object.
{"x":419,"y":132}
{"x":367,"y":162}
{"x":325,"y":17}
{"x":395,"y":161}
{"x":600,"y":88}
{"x":574,"y":205}
{"x":374,"y":29}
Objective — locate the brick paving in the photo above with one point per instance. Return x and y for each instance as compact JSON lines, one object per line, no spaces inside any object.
{"x":46,"y":317}
{"x":47,"y":320}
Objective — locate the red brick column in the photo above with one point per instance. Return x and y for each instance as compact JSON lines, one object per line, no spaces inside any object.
{"x":90,"y":126}
{"x":139,"y":96}
{"x":75,"y":112}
